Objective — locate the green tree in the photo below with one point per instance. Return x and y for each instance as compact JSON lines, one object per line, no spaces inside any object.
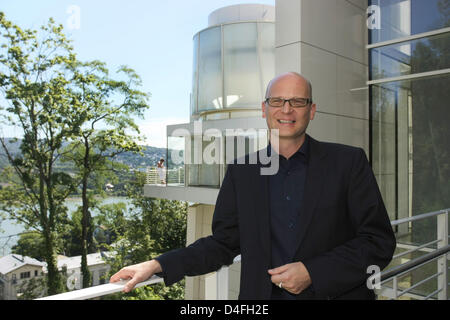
{"x":35,"y":83}
{"x":30,"y":244}
{"x":154,"y":226}
{"x":107,"y":109}
{"x":111,"y":223}
{"x":32,"y":288}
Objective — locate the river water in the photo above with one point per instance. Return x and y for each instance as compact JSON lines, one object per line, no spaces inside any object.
{"x":9,"y":229}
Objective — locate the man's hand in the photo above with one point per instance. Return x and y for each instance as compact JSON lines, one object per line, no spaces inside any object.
{"x":137,"y":273}
{"x":294,"y":277}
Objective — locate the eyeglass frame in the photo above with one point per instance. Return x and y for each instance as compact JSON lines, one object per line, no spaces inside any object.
{"x":308,"y":101}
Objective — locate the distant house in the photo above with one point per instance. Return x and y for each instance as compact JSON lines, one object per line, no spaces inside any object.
{"x":15,"y":269}
{"x":109,"y":187}
{"x":97,"y":266}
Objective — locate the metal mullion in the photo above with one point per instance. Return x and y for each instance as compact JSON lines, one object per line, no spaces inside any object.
{"x":410,"y":76}
{"x":408,"y":38}
{"x":222,"y":60}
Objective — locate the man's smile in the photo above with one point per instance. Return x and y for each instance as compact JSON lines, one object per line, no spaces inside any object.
{"x":286,"y":121}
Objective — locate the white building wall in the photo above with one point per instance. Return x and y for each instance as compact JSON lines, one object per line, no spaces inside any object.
{"x":325,"y":41}
{"x":11,"y":282}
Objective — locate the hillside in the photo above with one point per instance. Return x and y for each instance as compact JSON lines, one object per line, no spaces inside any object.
{"x":150,"y":156}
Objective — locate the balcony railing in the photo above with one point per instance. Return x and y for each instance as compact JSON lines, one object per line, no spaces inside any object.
{"x":398,"y":281}
{"x":172,"y":176}
{"x":392,"y":274}
{"x":100,"y":290}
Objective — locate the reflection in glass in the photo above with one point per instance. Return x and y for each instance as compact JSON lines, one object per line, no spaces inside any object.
{"x":242,"y":87}
{"x":410,"y":130}
{"x":203,"y":171}
{"x":194,"y":93}
{"x":400,"y":18}
{"x":210,"y":70}
{"x":408,"y":57}
{"x":266,"y":37}
{"x":175,"y":161}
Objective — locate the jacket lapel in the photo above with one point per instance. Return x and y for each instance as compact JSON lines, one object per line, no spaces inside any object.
{"x":313,"y":187}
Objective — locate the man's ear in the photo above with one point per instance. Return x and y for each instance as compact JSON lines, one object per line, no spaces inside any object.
{"x":263,"y":107}
{"x":312,"y":112}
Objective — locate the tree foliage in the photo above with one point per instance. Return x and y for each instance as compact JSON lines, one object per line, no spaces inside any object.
{"x":153,"y":226}
{"x":35,"y":81}
{"x":53,"y":98}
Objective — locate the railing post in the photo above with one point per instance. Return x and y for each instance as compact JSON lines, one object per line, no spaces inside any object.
{"x":395,"y":287}
{"x":442,"y":233}
{"x":222,"y":283}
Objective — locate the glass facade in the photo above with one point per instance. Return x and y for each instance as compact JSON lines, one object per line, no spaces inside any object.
{"x":209,"y":87}
{"x":175,"y":161}
{"x":204,"y":163}
{"x":233,"y":64}
{"x":410,"y":57}
{"x":400,"y":18}
{"x":410,"y":122}
{"x":205,"y":157}
{"x":410,"y":117}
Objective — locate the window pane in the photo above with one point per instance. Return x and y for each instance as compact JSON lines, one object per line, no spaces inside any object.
{"x":266,"y":36}
{"x":194,"y":76}
{"x":210,"y":70}
{"x":175,"y":161}
{"x":417,"y":56}
{"x":242,"y":81}
{"x":203,"y":169}
{"x":400,"y":18}
{"x":410,"y":131}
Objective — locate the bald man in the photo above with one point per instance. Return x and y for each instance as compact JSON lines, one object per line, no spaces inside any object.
{"x":309,"y":231}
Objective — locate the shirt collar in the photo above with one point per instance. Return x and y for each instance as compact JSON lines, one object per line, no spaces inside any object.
{"x":302,"y":151}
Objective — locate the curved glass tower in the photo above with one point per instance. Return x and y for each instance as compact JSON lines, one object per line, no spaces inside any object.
{"x":233,"y":62}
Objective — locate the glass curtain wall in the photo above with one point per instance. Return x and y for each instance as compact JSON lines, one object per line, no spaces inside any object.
{"x":410,"y":114}
{"x":175,"y":161}
{"x":232,"y":65}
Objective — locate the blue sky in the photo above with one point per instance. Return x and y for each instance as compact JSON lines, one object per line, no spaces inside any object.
{"x":153,"y":37}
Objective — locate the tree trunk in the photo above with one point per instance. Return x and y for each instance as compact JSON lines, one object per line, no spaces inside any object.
{"x":53,"y":276}
{"x":86,"y":219}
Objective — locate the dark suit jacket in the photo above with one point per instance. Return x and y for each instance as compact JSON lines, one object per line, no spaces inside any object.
{"x":344,"y":228}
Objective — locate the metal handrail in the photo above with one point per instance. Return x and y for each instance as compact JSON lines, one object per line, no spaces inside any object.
{"x":419,"y":217}
{"x":395,"y":271}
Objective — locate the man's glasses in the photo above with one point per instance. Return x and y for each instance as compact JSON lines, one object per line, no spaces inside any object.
{"x":293,"y":102}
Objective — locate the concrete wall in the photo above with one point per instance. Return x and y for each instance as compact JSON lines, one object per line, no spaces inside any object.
{"x":325,"y":41}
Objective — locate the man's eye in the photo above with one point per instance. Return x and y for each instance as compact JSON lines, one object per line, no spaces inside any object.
{"x":298,"y":102}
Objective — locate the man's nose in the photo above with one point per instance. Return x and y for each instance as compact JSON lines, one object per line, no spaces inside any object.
{"x":286,"y":108}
